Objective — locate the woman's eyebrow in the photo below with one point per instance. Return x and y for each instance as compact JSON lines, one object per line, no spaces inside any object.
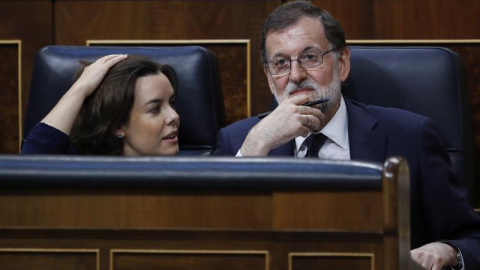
{"x":155,"y":100}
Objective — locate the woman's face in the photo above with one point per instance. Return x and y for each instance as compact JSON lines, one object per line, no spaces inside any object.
{"x":153,"y":125}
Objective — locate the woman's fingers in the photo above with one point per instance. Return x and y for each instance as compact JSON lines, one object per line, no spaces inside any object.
{"x":93,"y":74}
{"x":112,"y":59}
{"x":109,"y":57}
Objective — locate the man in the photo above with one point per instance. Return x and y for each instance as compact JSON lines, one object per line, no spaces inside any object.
{"x":306,"y":58}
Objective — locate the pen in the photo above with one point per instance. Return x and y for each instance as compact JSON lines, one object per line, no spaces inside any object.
{"x":311,"y":103}
{"x":316,"y":102}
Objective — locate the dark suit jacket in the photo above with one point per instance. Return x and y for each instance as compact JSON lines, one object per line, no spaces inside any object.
{"x":439,"y":210}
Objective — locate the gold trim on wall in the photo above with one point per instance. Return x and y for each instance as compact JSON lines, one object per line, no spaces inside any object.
{"x":412,"y":41}
{"x":201,"y":251}
{"x":19,"y":59}
{"x":329,"y":254}
{"x":188,"y":42}
{"x":54,"y":250}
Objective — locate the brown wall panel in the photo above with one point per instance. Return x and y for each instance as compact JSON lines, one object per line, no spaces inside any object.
{"x":189,"y":260}
{"x":125,"y":249}
{"x":20,"y":259}
{"x":406,"y":19}
{"x":135,"y":210}
{"x":353,"y":261}
{"x":234,"y":67}
{"x":9,"y":96}
{"x":291,"y":209}
{"x":78,"y":21}
{"x":31,"y":23}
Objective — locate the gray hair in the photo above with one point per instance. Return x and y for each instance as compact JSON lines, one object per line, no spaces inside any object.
{"x":289,"y":13}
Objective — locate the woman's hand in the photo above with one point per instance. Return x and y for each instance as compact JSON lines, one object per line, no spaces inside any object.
{"x":93,"y":74}
{"x":63,"y":115}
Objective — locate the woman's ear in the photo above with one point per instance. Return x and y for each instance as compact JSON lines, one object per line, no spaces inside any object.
{"x":120,"y":134}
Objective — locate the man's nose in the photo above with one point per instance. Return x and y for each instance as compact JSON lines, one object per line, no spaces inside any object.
{"x":297,"y":72}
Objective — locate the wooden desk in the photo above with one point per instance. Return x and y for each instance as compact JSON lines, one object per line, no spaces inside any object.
{"x":259,"y":220}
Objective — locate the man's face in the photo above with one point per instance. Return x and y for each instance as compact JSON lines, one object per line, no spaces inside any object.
{"x":321,"y":81}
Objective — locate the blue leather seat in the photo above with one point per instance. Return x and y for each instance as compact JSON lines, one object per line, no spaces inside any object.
{"x":199,"y":101}
{"x":430,"y":81}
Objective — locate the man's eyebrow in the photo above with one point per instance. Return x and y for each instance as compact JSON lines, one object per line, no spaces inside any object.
{"x":303,"y":51}
{"x":308,"y":48}
{"x":278,"y":55}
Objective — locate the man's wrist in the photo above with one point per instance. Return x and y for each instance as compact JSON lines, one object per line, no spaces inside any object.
{"x":458,"y":257}
{"x":254,"y":146}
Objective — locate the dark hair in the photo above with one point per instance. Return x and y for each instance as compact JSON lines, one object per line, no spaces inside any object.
{"x":289,"y":13}
{"x":108,"y":108}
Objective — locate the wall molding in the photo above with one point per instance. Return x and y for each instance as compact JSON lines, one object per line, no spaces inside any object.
{"x":411,"y":41}
{"x":291,"y":256}
{"x":55,"y":251}
{"x":18,"y":43}
{"x":193,"y":252}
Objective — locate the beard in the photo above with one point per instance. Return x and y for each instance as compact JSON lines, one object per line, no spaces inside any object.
{"x":331,"y":90}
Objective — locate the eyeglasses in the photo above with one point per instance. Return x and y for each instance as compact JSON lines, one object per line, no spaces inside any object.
{"x":280,"y":66}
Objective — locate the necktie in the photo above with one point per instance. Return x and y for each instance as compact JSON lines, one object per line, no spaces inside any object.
{"x":314,"y":142}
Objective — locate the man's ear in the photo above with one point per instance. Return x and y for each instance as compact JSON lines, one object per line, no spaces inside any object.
{"x":270,"y":81}
{"x":344,"y":63}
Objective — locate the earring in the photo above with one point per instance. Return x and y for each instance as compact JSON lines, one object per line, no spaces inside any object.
{"x":120,"y":135}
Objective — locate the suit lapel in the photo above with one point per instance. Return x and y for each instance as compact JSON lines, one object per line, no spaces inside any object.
{"x":366,"y":141}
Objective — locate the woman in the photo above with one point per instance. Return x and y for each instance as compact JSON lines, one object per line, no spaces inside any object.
{"x":120,"y":105}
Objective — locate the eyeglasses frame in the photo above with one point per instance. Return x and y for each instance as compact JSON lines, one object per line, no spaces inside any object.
{"x":299,"y":62}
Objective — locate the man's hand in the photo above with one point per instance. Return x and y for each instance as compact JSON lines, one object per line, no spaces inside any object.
{"x":434,"y":256}
{"x":289,"y":120}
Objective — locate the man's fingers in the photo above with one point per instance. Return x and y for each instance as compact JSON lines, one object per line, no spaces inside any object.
{"x":422,"y":259}
{"x":300,"y":99}
{"x":432,"y":256}
{"x":309,"y":121}
{"x":312,"y":111}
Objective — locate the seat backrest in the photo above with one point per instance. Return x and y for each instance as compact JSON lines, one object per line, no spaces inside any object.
{"x":199,"y":100}
{"x":430,"y":81}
